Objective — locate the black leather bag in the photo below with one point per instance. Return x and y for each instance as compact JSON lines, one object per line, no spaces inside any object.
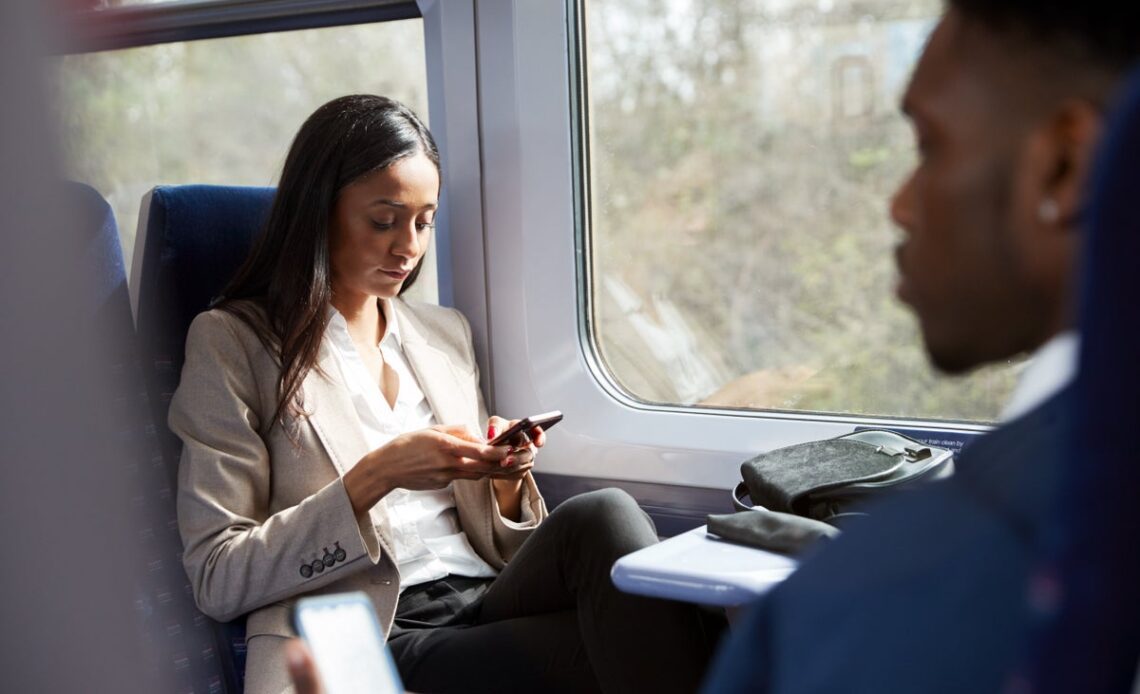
{"x":826,"y":480}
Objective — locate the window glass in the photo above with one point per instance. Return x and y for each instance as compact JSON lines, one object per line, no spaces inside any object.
{"x":741,"y":157}
{"x":222,"y":111}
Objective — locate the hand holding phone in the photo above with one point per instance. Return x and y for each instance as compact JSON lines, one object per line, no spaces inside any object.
{"x":514,"y":434}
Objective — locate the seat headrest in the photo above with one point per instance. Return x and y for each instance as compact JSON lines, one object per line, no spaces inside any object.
{"x":192,"y":240}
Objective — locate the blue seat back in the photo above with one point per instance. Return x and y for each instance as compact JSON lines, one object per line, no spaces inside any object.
{"x":1091,"y":643}
{"x":108,"y":298}
{"x":180,"y":647}
{"x":191,"y":241}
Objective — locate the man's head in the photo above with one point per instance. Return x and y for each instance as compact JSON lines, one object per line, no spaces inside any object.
{"x":1006,"y":103}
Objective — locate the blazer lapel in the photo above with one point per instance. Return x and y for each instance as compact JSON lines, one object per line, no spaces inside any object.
{"x":332,"y":414}
{"x":444,"y":391}
{"x":333,"y":417}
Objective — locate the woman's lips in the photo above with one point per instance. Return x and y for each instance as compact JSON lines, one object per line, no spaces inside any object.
{"x":396,"y":274}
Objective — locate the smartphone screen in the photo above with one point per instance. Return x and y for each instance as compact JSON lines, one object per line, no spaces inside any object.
{"x":347,"y":643}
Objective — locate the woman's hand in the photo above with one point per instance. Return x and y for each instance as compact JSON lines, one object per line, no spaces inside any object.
{"x":509,"y":479}
{"x":425,"y":459}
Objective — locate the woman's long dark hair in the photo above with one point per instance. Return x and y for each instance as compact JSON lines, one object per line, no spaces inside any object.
{"x":287,"y":273}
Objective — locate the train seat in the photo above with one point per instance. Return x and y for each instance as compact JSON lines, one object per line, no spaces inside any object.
{"x":191,"y":239}
{"x":178,"y":645}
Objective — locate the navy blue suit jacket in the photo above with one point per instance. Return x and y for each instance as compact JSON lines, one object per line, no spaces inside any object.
{"x":927,"y":594}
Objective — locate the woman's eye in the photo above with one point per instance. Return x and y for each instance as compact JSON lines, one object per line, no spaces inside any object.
{"x":424,"y":226}
{"x":382,"y":226}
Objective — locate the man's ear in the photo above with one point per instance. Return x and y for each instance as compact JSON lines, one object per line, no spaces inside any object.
{"x":1051,"y":185}
{"x":1075,"y":131}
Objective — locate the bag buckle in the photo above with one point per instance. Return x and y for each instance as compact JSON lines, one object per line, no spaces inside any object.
{"x":916,"y":454}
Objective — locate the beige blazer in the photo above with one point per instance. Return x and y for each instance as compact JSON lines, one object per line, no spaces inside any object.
{"x":254,"y":507}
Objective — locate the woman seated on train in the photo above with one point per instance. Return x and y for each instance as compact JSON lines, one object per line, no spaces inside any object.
{"x":332,"y":442}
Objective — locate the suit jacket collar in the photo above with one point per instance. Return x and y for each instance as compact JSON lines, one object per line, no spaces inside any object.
{"x":439,"y":379}
{"x":1051,"y":368}
{"x":331,"y":412}
{"x":330,"y":409}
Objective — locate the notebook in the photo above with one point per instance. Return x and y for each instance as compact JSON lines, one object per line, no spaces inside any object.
{"x":695,"y":567}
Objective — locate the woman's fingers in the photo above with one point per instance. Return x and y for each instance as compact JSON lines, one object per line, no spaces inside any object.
{"x":460,"y":431}
{"x":495,"y":426}
{"x":520,"y":456}
{"x":513,"y":472}
{"x":538,"y":437}
{"x":461,"y":457}
{"x":477,"y":450}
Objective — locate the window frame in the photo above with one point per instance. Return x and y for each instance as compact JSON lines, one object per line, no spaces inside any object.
{"x":536,"y":310}
{"x":133,"y":26}
{"x":580,"y":117}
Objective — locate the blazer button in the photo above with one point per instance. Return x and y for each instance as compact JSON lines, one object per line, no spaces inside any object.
{"x":328,"y":560}
{"x":306,"y":570}
{"x":339,"y":554}
{"x":318,"y":565}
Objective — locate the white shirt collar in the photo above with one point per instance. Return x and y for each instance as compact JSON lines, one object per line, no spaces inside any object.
{"x":391,"y":325}
{"x":1051,"y":368}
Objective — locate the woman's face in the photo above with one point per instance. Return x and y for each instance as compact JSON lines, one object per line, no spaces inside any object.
{"x":380,"y":228}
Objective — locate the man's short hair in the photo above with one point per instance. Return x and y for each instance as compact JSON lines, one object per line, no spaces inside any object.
{"x":1103,"y":34}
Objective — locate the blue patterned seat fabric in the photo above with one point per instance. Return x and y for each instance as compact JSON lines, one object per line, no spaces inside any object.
{"x":178,"y":642}
{"x":195,"y":238}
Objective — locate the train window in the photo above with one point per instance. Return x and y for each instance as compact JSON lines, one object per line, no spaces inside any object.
{"x":741,"y":154}
{"x":222,"y":110}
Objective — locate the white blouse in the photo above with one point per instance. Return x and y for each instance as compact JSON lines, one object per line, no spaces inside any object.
{"x":429,"y":544}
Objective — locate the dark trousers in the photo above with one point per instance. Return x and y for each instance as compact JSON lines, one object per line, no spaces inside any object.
{"x":553,"y":621}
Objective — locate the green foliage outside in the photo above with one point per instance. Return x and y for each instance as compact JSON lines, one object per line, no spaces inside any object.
{"x":742,"y":158}
{"x":219,"y":111}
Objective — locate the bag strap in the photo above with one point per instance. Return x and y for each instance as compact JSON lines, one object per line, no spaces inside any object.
{"x":738,"y":495}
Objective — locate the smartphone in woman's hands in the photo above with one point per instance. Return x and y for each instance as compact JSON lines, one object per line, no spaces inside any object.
{"x":514,"y":434}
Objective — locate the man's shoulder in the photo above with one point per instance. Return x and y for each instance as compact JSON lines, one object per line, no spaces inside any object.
{"x":1015,"y":470}
{"x":896,"y":581}
{"x":1043,"y":427}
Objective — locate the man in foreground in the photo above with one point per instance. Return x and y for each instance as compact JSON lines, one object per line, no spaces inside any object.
{"x":934,"y":591}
